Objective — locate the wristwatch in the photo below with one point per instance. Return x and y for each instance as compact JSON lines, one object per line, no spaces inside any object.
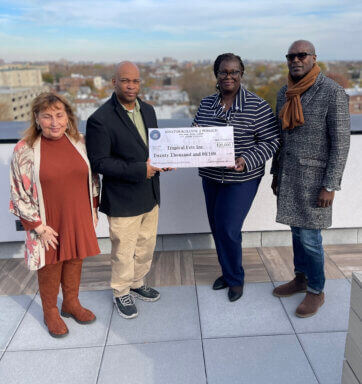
{"x":328,"y":189}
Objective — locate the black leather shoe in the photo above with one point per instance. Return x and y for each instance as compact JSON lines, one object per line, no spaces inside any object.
{"x":235,"y":292}
{"x":219,"y":283}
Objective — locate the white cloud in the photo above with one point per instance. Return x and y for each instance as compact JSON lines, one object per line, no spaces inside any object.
{"x":191,"y":29}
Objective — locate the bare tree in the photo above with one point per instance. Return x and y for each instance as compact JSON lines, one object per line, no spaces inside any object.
{"x":198,"y":83}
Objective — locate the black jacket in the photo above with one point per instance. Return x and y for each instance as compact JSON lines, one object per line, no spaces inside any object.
{"x":117,"y":151}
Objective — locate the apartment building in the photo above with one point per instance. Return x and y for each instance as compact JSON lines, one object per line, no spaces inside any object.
{"x":15,"y":103}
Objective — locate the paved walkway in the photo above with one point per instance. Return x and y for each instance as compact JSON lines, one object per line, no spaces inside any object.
{"x":193,"y":335}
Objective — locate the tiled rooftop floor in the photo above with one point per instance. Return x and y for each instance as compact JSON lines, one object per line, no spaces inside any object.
{"x":192,"y":335}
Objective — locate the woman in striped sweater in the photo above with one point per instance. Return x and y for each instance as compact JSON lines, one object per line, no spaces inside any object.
{"x":229,"y":192}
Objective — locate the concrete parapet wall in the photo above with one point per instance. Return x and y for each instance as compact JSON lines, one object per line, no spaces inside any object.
{"x":183,"y":207}
{"x":198,"y":241}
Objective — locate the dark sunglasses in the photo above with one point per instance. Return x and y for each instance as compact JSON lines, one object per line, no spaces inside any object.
{"x":224,"y":74}
{"x":300,"y":55}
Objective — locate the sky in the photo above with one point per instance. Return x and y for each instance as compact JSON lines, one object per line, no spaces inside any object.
{"x":144,"y":30}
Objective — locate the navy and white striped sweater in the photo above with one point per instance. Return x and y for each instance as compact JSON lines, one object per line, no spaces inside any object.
{"x":256,"y":135}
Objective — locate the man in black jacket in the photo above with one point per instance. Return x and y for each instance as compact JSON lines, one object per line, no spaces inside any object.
{"x":117,"y":145}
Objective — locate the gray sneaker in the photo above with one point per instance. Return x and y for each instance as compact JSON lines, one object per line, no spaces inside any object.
{"x":126,"y":306}
{"x":145,"y":293}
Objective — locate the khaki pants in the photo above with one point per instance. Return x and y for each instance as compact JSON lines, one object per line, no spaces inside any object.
{"x":133,"y":242}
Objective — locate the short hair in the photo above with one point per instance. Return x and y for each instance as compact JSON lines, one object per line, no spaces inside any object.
{"x":42,"y":102}
{"x":227,"y":57}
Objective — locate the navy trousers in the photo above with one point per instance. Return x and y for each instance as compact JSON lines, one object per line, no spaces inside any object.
{"x":227,"y":206}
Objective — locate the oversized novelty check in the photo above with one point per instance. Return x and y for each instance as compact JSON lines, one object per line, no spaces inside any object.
{"x":192,"y":147}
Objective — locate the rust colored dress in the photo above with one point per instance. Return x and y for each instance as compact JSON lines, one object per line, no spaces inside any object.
{"x":64,"y":180}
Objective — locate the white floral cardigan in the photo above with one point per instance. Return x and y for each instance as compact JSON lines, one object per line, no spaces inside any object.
{"x":26,"y":196}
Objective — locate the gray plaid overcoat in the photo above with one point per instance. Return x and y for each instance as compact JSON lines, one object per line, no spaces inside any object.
{"x":313,"y":155}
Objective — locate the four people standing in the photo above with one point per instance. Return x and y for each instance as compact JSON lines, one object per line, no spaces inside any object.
{"x":315,"y":125}
{"x":56,"y":196}
{"x":229,"y":192}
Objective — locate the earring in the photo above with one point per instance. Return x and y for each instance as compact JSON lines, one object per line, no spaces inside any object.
{"x":217,"y":86}
{"x":38,"y":127}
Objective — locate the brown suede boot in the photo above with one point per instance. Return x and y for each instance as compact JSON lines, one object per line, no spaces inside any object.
{"x":72,"y":270}
{"x":49,"y":282}
{"x":310,"y":305}
{"x":297,"y":285}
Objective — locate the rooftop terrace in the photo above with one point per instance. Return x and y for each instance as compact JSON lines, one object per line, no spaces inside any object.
{"x":193,"y":335}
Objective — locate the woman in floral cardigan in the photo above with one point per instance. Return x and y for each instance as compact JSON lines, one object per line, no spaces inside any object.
{"x":56,"y":197}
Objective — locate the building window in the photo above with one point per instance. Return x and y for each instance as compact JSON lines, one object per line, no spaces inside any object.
{"x":15,"y":117}
{"x":13,"y":99}
{"x":14,"y":109}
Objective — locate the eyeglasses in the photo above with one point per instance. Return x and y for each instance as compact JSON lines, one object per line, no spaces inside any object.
{"x":300,"y":55}
{"x":224,"y":74}
{"x":128,"y":81}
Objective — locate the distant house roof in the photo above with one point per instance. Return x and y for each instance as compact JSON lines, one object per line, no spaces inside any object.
{"x":165,"y":88}
{"x":11,"y":90}
{"x":85,"y":101}
{"x":356,"y":91}
{"x":10,"y":131}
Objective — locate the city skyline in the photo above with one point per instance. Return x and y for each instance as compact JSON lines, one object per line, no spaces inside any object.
{"x":144,"y":30}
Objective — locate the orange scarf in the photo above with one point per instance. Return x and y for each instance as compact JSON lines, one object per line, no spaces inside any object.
{"x":291,"y":114}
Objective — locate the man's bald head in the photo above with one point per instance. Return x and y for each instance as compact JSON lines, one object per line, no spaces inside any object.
{"x":124,"y":66}
{"x":126,"y":82}
{"x":305,"y":43}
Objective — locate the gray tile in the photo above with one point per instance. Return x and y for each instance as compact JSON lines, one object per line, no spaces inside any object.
{"x":348,"y":376}
{"x":325,"y":352}
{"x":332,"y":316}
{"x":188,"y":242}
{"x":12,"y":310}
{"x":356,"y":298}
{"x":105,"y":245}
{"x":159,"y":243}
{"x":173,"y":317}
{"x":200,"y":241}
{"x":258,"y":312}
{"x":251,"y":239}
{"x":176,"y":362}
{"x":355,"y":328}
{"x":357,"y":276}
{"x":62,"y":366}
{"x":33,"y":334}
{"x":12,"y":250}
{"x":340,"y":236}
{"x":276,"y":238}
{"x":354,"y":356}
{"x":257,"y":360}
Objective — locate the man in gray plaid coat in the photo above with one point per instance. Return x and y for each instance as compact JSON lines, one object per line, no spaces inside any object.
{"x":315,"y":127}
